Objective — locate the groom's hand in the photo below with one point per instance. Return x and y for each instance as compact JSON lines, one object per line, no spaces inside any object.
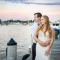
{"x":42,"y":43}
{"x":47,"y":42}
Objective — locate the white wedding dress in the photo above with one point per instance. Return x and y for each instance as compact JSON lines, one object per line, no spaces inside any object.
{"x":40,"y":51}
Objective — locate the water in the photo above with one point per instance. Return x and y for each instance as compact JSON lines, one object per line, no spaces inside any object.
{"x":20,"y":33}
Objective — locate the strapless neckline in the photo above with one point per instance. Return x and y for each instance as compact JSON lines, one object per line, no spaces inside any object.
{"x":43,"y":37}
{"x":42,"y":31}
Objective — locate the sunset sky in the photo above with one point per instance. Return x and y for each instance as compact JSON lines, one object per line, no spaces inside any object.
{"x":25,"y":9}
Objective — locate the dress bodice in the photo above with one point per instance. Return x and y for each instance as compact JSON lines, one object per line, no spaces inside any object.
{"x":42,"y":37}
{"x":40,"y":50}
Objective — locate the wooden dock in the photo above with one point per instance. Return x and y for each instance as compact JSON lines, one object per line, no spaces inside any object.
{"x":55,"y":51}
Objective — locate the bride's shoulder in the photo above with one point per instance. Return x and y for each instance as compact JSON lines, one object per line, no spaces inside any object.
{"x":52,"y":30}
{"x":37,"y":28}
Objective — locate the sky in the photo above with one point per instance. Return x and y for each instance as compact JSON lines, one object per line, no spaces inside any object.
{"x":25,"y":9}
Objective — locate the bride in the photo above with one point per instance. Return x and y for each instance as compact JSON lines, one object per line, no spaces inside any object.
{"x":45,"y":33}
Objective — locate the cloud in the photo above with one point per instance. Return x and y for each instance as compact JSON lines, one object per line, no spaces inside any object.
{"x":42,"y":3}
{"x":37,"y":2}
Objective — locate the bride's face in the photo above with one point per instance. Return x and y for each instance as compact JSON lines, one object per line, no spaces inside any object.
{"x":43,"y":21}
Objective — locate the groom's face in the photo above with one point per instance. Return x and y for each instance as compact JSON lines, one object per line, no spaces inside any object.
{"x":37,"y":19}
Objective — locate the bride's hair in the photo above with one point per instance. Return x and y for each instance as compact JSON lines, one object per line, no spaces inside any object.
{"x":48,"y":28}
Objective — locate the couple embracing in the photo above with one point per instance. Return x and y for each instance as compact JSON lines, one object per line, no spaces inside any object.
{"x":43,"y":37}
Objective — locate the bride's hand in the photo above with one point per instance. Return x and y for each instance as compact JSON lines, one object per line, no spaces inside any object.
{"x":48,"y":42}
{"x":47,"y":52}
{"x":42,"y":44}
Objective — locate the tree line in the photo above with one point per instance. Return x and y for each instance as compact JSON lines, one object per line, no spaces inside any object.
{"x":15,"y":21}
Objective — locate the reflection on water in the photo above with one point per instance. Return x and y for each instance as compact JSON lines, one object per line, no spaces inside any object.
{"x":20,"y":33}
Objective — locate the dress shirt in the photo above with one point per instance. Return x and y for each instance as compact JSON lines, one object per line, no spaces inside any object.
{"x":33,"y":29}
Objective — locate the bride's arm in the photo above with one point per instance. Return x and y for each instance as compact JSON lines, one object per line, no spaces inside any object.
{"x":35,"y":38}
{"x":51,"y":43}
{"x":52,"y":39}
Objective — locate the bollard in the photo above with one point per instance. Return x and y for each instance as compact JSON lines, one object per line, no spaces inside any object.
{"x":11,"y":50}
{"x":55,"y":33}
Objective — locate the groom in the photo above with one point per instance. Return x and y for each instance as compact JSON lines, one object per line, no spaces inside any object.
{"x":37,"y":18}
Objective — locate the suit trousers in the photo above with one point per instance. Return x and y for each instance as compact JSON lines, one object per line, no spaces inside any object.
{"x":33,"y":51}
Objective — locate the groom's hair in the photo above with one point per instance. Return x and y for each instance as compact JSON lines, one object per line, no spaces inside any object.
{"x":38,"y":14}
